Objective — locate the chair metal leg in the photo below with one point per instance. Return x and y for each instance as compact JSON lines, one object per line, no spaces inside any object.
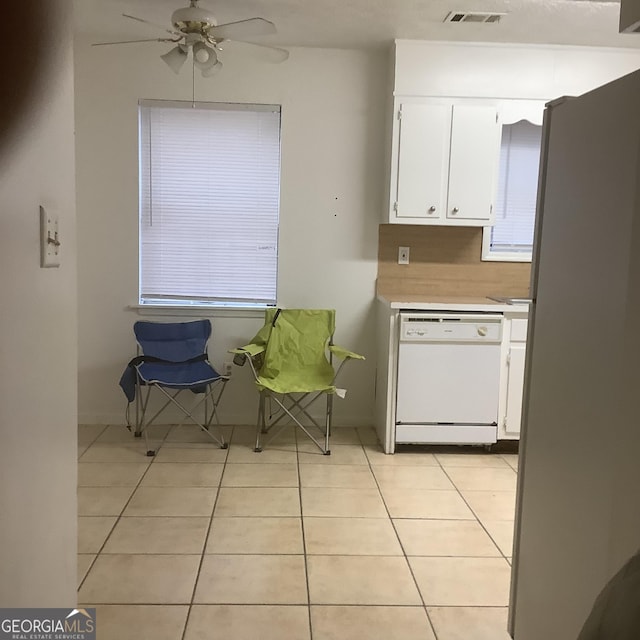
{"x":189,"y":414}
{"x":261,"y":422}
{"x":327,"y":430}
{"x":296,"y":421}
{"x":300,"y":405}
{"x":211,"y":413}
{"x":138,"y":430}
{"x":150,"y":452}
{"x":142,"y":424}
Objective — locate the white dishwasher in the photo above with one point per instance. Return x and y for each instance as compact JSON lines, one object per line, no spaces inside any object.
{"x":448,"y":378}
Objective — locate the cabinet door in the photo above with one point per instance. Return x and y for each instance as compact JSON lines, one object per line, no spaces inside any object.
{"x":515,"y":384}
{"x":423,"y":158}
{"x":474,"y":160}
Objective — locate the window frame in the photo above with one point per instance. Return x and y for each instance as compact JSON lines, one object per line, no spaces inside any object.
{"x":196,"y":306}
{"x":501,"y":256}
{"x":510,"y":112}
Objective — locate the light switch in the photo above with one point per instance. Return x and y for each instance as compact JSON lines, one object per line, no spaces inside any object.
{"x":49,"y":239}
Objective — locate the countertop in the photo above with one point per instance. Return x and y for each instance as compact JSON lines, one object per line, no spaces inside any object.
{"x":450,"y":303}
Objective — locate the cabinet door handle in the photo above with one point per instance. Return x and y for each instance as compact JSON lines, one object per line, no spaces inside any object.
{"x":432,"y":209}
{"x":455,"y":210}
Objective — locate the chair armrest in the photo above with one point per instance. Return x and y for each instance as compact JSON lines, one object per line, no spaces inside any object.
{"x":249,"y":350}
{"x":344,"y":354}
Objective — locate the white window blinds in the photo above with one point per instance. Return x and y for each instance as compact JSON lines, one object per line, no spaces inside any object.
{"x":209,"y":203}
{"x":517,"y":188}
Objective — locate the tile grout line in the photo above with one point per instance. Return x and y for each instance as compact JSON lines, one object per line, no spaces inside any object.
{"x":404,"y":554}
{"x":302,"y":520}
{"x":118,"y":517}
{"x":304,"y":539}
{"x":206,"y":537}
{"x":502,"y":555}
{"x":105,"y":427}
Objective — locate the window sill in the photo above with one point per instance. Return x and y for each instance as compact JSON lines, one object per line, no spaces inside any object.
{"x":198,"y":311}
{"x":507,"y":257}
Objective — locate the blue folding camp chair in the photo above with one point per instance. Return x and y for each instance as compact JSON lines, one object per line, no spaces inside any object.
{"x":173,"y":358}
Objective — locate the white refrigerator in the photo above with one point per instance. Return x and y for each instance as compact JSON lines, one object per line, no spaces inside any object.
{"x":578,"y":506}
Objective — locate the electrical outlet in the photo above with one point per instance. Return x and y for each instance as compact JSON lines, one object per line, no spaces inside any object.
{"x":403,"y":255}
{"x":228,"y":369}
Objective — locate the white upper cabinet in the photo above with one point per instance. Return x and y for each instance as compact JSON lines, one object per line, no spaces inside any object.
{"x":423,"y":161}
{"x":473,"y":162}
{"x":445,"y":156}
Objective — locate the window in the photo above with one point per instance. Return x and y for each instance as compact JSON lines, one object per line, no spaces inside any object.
{"x":511,"y":238}
{"x":209,"y":203}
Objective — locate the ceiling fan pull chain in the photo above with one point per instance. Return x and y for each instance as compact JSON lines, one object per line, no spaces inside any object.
{"x":193,"y":80}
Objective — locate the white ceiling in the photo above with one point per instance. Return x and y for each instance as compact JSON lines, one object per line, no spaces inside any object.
{"x":375,"y":23}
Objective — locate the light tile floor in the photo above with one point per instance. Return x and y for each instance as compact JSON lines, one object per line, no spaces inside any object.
{"x":202,"y":543}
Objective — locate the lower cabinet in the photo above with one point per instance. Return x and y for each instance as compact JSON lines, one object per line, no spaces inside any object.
{"x":511,"y":391}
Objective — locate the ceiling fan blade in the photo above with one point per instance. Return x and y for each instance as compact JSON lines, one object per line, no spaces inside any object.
{"x":243,"y":29}
{"x":101,"y":44}
{"x":173,"y":32}
{"x":265,"y":52}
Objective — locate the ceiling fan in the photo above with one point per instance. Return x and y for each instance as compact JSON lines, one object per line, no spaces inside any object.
{"x":196,"y":31}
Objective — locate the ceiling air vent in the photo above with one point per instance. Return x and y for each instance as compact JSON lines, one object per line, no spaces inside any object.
{"x":473,"y":16}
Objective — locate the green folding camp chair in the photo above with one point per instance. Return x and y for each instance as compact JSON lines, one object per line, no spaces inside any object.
{"x":291,"y":358}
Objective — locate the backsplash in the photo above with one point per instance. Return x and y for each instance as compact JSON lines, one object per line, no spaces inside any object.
{"x":444,"y":261}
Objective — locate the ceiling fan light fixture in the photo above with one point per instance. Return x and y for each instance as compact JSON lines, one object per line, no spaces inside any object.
{"x":175,"y":58}
{"x":196,"y":31}
{"x":204,"y":57}
{"x":212,"y":70}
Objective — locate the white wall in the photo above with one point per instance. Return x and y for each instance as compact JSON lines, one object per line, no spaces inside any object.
{"x":333,"y":105}
{"x":38,"y":353}
{"x":506,"y":71}
{"x":335,"y":113}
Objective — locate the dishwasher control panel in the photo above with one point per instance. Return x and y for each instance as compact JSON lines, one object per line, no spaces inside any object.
{"x":442,"y":327}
